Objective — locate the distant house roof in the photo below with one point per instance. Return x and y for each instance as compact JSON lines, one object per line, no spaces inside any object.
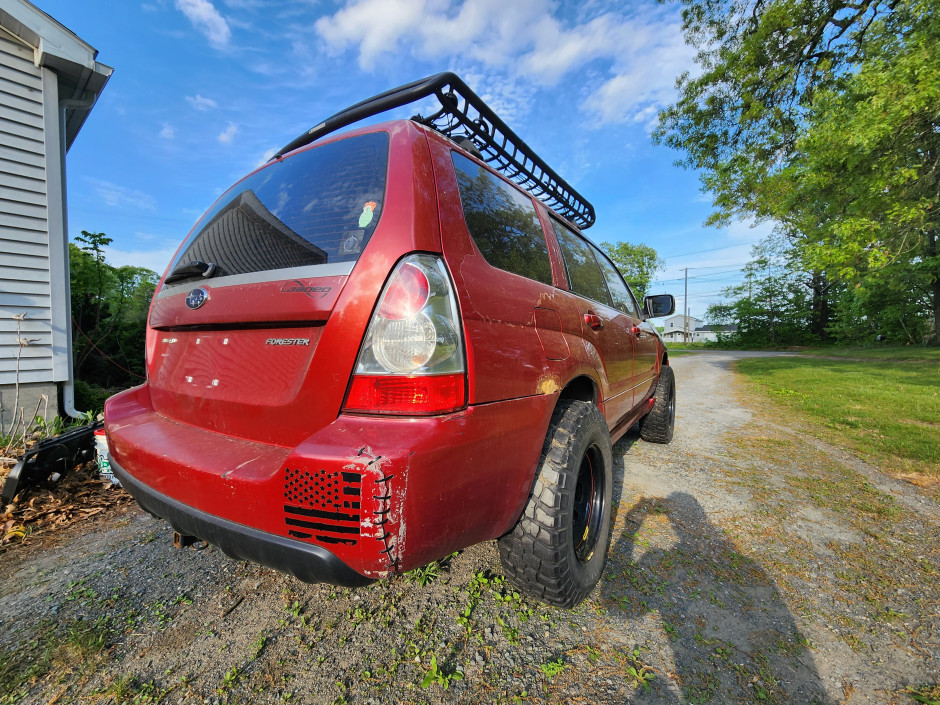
{"x":81,"y":78}
{"x":680,"y":321}
{"x":719,"y":328}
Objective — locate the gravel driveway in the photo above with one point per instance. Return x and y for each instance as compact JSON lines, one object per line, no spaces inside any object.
{"x":749,"y":564}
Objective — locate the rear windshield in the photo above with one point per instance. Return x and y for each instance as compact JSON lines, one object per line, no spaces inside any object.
{"x":320,"y":206}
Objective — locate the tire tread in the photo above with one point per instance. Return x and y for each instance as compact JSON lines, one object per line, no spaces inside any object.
{"x":658,"y":425}
{"x":535,"y":554}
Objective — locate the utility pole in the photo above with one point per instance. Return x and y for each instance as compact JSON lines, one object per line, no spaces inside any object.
{"x":685,"y":309}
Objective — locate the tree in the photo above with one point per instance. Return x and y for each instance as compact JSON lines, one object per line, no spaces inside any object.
{"x":637,"y":263}
{"x":823,"y":118}
{"x":778,"y":303}
{"x":870,"y":156}
{"x":773,"y":305}
{"x":109,"y":315}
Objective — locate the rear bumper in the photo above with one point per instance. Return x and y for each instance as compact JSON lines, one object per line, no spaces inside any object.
{"x":375,"y":495}
{"x":307,"y":562}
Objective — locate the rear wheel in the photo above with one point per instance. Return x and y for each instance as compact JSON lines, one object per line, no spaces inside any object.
{"x":557,"y":550}
{"x":657,"y":426}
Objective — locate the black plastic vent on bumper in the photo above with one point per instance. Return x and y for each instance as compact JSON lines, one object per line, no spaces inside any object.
{"x":324,"y":506}
{"x":306,"y":561}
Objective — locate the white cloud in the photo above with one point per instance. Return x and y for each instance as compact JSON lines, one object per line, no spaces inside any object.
{"x":376,"y":25}
{"x":121,"y":196}
{"x":266,"y":157}
{"x":200,"y":103}
{"x":167,"y":132}
{"x":204,"y":17}
{"x":510,"y":98}
{"x":228,"y":133}
{"x":558,"y":49}
{"x":640,"y":53}
{"x":494,"y":32}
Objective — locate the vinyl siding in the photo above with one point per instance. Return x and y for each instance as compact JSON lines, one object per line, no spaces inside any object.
{"x":24,"y":220}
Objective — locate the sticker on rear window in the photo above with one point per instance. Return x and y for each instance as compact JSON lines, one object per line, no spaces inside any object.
{"x":368,"y":212}
{"x":352,"y":241}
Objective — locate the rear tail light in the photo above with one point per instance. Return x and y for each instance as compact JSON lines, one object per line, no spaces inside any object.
{"x":406,"y":294}
{"x":407,"y":395}
{"x":412,"y":360}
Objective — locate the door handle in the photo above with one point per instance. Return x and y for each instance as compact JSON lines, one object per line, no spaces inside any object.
{"x":593,"y":320}
{"x":638,"y":332}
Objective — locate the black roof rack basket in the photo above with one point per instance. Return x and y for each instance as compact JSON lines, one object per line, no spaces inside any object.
{"x":463,"y":114}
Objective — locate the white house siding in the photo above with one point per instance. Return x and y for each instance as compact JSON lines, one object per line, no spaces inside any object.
{"x":24,"y":219}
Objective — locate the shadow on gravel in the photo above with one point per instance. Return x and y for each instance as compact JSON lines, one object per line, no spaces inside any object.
{"x":731,"y":634}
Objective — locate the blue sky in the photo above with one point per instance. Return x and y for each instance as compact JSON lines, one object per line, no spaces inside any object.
{"x":205,"y":90}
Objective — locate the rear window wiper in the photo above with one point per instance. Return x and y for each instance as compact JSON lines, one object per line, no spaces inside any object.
{"x":193,"y":268}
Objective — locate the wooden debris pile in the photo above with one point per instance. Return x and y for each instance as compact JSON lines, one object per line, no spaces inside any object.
{"x":76,"y":496}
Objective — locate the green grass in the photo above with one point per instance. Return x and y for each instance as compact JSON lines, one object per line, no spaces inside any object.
{"x":685,"y":346}
{"x":76,"y":645}
{"x":907,"y":353}
{"x":889,"y":411}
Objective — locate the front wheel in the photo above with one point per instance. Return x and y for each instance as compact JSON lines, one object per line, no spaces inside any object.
{"x":558,"y":548}
{"x":657,"y":426}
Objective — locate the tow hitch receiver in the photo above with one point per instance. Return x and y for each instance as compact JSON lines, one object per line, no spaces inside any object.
{"x":183,"y":541}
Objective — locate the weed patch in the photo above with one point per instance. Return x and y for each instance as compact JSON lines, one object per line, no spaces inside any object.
{"x":77,"y":645}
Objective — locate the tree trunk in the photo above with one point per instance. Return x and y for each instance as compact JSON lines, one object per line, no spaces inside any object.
{"x":819,"y":317}
{"x":934,"y":285}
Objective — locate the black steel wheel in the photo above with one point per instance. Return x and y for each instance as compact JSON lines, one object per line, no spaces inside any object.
{"x":558,"y":548}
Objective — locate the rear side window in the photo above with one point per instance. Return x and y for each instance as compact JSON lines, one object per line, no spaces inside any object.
{"x":583,"y":273}
{"x":502,"y":222}
{"x":320,"y":206}
{"x":623,"y":300}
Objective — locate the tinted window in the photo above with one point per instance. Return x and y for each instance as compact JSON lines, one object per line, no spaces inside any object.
{"x":619,"y":292}
{"x":502,"y":222}
{"x":583,"y":273}
{"x":316,"y":207}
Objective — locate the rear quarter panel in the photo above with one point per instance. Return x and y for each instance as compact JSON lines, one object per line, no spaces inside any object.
{"x":506,"y":357}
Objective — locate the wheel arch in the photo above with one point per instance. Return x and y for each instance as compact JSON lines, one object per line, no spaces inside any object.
{"x":581,"y":388}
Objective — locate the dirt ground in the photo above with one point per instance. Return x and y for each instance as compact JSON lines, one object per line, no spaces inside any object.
{"x":750,"y":563}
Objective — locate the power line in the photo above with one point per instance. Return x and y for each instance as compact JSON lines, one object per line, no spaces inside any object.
{"x":705,"y":294}
{"x":700,"y":276}
{"x":714,"y":249}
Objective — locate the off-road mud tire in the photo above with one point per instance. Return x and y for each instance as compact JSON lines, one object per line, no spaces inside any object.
{"x":541,"y":555}
{"x":657,"y":426}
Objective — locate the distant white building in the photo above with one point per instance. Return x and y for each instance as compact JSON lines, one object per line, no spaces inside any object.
{"x":675,"y":327}
{"x":49,"y":82}
{"x":710,"y":333}
{"x":689,"y":329}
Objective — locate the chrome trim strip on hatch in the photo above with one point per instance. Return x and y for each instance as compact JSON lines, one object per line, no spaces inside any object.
{"x":337,"y":269}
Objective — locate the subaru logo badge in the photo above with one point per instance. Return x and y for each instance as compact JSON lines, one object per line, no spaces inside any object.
{"x":196,"y":298}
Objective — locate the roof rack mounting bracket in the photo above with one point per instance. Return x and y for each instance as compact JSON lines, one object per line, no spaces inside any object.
{"x":464,"y":116}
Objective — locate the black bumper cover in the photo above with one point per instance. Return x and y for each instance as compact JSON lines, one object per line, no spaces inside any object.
{"x":312,"y":564}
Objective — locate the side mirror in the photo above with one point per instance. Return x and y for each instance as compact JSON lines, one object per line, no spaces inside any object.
{"x":659,"y":305}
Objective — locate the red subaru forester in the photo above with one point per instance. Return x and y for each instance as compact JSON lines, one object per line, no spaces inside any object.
{"x":376,"y":350}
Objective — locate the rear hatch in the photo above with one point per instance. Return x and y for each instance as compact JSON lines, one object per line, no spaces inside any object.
{"x":234,"y":330}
